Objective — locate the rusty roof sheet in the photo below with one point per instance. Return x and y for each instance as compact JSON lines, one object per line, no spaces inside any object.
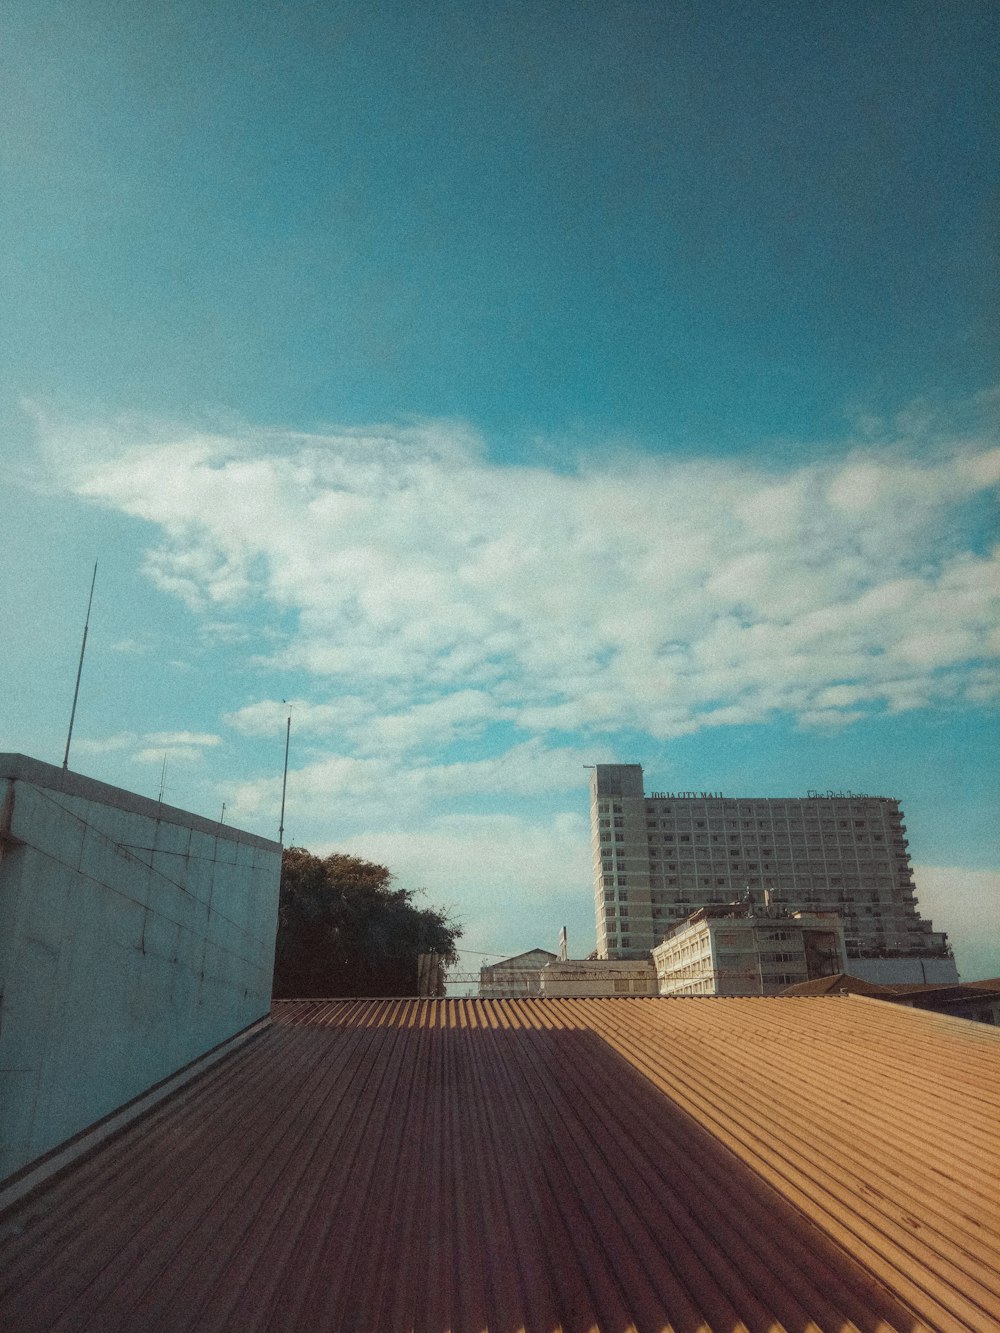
{"x":842,"y":983}
{"x":610,"y":1165}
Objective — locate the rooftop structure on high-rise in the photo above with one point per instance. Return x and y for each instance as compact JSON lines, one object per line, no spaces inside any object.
{"x":657,"y":858}
{"x":748,"y":950}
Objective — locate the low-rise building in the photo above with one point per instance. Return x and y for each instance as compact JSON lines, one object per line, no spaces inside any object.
{"x":595,"y":978}
{"x":743,"y":949}
{"x":538,"y":973}
{"x":516,"y":978}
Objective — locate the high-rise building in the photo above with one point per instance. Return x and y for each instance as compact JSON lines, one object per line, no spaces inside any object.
{"x":657,"y":858}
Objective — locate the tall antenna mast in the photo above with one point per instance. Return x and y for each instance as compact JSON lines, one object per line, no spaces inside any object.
{"x":284,"y":780}
{"x":79,"y":669}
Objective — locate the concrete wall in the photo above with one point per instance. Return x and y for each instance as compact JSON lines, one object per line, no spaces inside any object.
{"x":133,"y":938}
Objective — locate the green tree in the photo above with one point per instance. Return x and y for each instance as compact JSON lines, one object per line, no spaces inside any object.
{"x":344,"y":930}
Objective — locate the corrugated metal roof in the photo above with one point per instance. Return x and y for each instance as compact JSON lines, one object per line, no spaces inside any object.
{"x":844,"y":983}
{"x":701,"y":1164}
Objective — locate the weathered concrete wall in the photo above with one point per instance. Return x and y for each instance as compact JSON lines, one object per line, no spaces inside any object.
{"x":133,"y":938}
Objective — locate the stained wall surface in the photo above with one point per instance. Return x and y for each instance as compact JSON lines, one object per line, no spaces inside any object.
{"x":134,"y":938}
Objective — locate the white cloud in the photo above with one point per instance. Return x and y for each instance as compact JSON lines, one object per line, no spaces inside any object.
{"x":386,"y":793}
{"x":966,"y":903}
{"x":152,"y":747}
{"x":175,"y":754}
{"x":436,"y":594}
{"x":187,"y":738}
{"x":467,"y":633}
{"x":267,"y":717}
{"x":501,"y":871}
{"x":122,"y":740}
{"x":463,"y":714}
{"x":386,"y":727}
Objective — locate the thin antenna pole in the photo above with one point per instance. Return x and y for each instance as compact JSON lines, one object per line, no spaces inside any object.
{"x":79,"y":669}
{"x":163,"y":776}
{"x":284,"y":783}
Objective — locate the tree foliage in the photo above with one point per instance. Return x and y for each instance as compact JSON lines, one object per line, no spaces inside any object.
{"x":344,"y":930}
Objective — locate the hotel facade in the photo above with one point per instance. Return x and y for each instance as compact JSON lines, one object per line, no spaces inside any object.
{"x":659,"y":857}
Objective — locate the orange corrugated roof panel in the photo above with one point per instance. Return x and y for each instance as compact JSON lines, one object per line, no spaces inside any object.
{"x":761,"y":1164}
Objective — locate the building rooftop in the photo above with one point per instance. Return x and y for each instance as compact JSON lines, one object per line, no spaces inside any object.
{"x":521,"y":959}
{"x":470,"y":1164}
{"x":842,"y":983}
{"x":750,"y":912}
{"x":601,"y":965}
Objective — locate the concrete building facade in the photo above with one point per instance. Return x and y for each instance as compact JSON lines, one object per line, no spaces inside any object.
{"x":517,"y":978}
{"x":741,"y":951}
{"x":659,"y":857}
{"x":135,"y":938}
{"x":589,"y":978}
{"x":538,"y":973}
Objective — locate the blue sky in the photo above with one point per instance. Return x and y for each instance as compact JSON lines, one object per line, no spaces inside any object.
{"x":511,"y":387}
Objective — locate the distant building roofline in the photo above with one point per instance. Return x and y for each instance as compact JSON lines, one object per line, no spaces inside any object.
{"x":743,"y":910}
{"x":812,"y":794}
{"x":516,"y":958}
{"x":599,"y":965}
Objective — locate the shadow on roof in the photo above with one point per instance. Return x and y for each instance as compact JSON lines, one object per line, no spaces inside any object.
{"x":387,"y":1177}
